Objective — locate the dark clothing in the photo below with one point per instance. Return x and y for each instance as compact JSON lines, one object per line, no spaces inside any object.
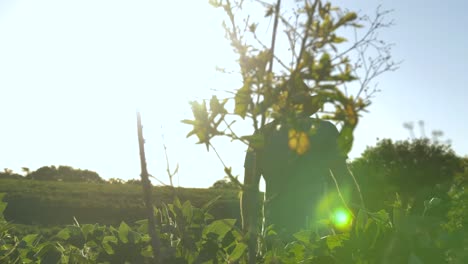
{"x":295,"y":183}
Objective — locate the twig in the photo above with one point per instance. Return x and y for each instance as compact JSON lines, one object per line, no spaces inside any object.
{"x":339,"y":192}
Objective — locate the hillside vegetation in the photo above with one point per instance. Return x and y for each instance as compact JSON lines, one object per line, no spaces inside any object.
{"x":56,"y":203}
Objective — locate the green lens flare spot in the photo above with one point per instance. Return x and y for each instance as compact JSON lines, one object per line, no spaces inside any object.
{"x":341,"y":219}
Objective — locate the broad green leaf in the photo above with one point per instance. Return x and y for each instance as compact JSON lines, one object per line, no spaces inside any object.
{"x":237,"y":252}
{"x":297,"y":249}
{"x":336,"y":240}
{"x":219,"y":227}
{"x":107,"y":247}
{"x":87,"y":229}
{"x":381,"y":217}
{"x":304,"y":236}
{"x":142,"y":226}
{"x":29,"y":239}
{"x":134,"y":237}
{"x":46,"y":249}
{"x":147,"y":252}
{"x":63,"y":234}
{"x":123,"y":232}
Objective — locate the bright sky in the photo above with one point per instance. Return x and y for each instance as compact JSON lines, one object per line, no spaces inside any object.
{"x":73,"y":73}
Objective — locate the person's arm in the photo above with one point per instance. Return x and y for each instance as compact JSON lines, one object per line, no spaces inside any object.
{"x":250,"y":203}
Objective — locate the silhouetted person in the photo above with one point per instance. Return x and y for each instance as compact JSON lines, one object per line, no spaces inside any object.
{"x":295,"y":184}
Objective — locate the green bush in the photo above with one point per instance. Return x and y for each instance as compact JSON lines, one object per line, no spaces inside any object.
{"x":191,"y":235}
{"x":415,"y":169}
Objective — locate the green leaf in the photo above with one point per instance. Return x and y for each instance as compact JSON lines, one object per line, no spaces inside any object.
{"x":306,"y":236}
{"x":348,"y":17}
{"x":219,"y":227}
{"x":206,"y":207}
{"x":215,"y":3}
{"x":297,"y":249}
{"x":49,"y":252}
{"x":177,"y":202}
{"x":323,"y":70}
{"x":338,"y":40}
{"x":216,"y":107}
{"x":361,"y":221}
{"x":123,"y":232}
{"x":188,"y":122}
{"x":242,"y":100}
{"x":253,"y":27}
{"x":29,"y":239}
{"x":107,"y":247}
{"x":87,"y":229}
{"x":63,"y":234}
{"x":237,"y":252}
{"x":381,"y":217}
{"x":187,"y":210}
{"x":336,"y":240}
{"x":147,"y":252}
{"x":270,"y":11}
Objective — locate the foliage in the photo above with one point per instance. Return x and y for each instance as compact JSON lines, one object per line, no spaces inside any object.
{"x":133,"y":181}
{"x":9,"y":174}
{"x":115,"y":181}
{"x":312,"y":80}
{"x":49,"y":203}
{"x":225,"y":183}
{"x":416,"y":169}
{"x":64,"y":173}
{"x":318,"y":73}
{"x":191,"y":235}
{"x":458,"y":213}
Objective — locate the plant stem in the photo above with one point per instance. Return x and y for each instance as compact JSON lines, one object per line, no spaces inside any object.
{"x":155,"y":242}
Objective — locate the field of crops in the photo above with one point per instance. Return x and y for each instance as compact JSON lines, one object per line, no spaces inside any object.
{"x":56,"y":203}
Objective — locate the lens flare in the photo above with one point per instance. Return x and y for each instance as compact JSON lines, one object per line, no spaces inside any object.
{"x":342,"y":219}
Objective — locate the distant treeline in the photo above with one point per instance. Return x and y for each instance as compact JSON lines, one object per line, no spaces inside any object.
{"x":56,"y":203}
{"x":53,"y":173}
{"x":62,"y":173}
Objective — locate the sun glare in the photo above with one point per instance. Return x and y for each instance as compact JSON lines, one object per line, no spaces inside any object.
{"x":342,"y":219}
